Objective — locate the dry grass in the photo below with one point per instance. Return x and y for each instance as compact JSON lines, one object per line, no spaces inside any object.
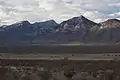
{"x":90,"y":66}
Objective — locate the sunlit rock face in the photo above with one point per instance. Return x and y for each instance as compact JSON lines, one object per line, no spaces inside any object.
{"x":76,"y":24}
{"x":111,"y":23}
{"x":77,"y":29}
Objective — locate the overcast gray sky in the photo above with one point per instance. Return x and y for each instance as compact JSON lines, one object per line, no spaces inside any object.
{"x":12,"y":11}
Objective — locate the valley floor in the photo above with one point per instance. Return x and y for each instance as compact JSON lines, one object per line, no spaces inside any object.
{"x":69,"y":56}
{"x":38,"y":63}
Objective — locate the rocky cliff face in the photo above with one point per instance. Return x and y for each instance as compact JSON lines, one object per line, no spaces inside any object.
{"x":76,"y":24}
{"x":111,"y":30}
{"x":111,"y":23}
{"x":78,"y":29}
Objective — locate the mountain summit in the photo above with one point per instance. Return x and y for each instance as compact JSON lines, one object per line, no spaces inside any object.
{"x":46,"y":24}
{"x":111,"y":23}
{"x":76,"y":23}
{"x":77,"y":29}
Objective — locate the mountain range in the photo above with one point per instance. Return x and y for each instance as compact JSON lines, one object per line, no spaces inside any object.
{"x":76,"y":30}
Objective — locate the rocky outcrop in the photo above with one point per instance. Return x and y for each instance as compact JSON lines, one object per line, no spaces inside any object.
{"x":75,"y":30}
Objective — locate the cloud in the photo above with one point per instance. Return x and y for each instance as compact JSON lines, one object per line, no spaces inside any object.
{"x":39,"y":10}
{"x":114,"y":5}
{"x":95,"y":16}
{"x":115,"y":15}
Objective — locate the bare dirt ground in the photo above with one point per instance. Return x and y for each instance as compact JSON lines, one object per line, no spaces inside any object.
{"x":53,"y":56}
{"x":89,"y":62}
{"x":87,"y":58}
{"x":90,"y":65}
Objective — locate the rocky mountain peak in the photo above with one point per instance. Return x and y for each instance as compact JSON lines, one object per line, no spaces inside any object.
{"x":76,"y":29}
{"x":77,"y":23}
{"x":24,"y":22}
{"x":111,"y":23}
{"x":113,"y":20}
{"x":20,"y":24}
{"x":79,"y":18}
{"x":51,"y":21}
{"x":46,"y":24}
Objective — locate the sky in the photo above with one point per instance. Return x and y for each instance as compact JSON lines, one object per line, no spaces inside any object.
{"x":12,"y":11}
